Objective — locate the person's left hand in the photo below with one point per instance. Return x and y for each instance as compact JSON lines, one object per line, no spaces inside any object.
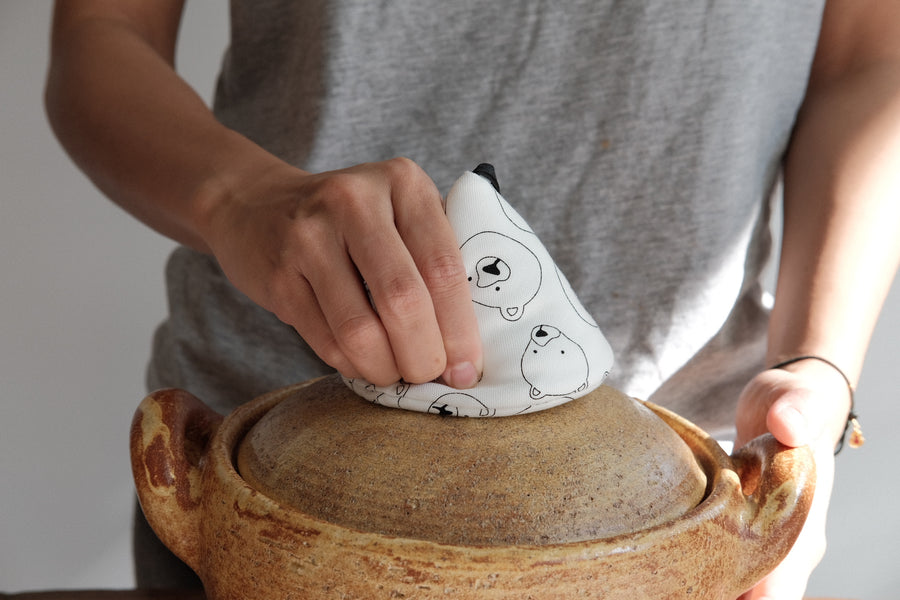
{"x":805,"y":403}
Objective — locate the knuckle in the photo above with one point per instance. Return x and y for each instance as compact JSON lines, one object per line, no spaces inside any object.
{"x":340,"y":189}
{"x":357,"y":333}
{"x":409,"y":177}
{"x":444,"y":273}
{"x":403,"y":167}
{"x":402,"y":297}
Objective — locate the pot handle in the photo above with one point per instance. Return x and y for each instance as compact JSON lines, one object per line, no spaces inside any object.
{"x":777,"y":483}
{"x":170,"y":433}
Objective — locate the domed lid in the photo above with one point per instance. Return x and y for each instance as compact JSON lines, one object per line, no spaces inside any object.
{"x":595,"y":467}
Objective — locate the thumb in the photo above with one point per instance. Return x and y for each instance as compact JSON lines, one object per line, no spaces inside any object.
{"x":787,"y":405}
{"x":794,"y":419}
{"x":810,"y":407}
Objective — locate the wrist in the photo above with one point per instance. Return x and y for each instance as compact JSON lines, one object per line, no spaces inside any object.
{"x":246,"y":174}
{"x":814,"y":361}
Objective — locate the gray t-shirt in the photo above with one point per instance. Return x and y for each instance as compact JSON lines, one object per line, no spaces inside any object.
{"x":641,"y":140}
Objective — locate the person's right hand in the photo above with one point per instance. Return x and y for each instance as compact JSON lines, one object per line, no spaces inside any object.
{"x":305,"y":246}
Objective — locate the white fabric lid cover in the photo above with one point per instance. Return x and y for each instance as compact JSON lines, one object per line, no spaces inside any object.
{"x":541,"y":347}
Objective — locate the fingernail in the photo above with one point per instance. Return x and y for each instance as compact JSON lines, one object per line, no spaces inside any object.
{"x":462,"y":376}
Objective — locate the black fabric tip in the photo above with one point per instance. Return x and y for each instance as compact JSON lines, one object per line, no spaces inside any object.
{"x":486,"y":170}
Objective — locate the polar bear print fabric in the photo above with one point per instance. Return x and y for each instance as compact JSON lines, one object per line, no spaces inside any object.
{"x":503,"y":273}
{"x":541,"y":347}
{"x":553,"y":364}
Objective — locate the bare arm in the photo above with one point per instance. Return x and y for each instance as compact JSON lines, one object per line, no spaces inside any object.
{"x":841,"y":244}
{"x":842,"y":210}
{"x":840,"y":252}
{"x":294,"y":242}
{"x":138,"y":131}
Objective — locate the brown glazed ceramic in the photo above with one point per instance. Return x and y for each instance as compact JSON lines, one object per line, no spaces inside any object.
{"x":563,"y":475}
{"x":342,"y":499}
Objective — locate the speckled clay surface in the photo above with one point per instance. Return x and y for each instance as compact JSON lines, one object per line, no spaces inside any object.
{"x":245,"y":544}
{"x":595,"y":467}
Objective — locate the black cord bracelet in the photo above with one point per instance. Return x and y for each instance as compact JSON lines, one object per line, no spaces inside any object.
{"x":856,"y":437}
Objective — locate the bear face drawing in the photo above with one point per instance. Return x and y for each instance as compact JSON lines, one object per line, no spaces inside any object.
{"x":553,"y":364}
{"x":502,"y":272}
{"x":459,"y":404}
{"x":389,"y":396}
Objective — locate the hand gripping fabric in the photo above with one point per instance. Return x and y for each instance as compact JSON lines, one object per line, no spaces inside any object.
{"x":541,"y":347}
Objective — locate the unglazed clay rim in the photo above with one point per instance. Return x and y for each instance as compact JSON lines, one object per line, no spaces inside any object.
{"x":722,"y":482}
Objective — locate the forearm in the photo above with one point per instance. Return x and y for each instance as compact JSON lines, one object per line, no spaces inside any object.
{"x":142,"y":135}
{"x":841,"y":243}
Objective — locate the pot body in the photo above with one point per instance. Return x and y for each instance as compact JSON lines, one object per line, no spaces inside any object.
{"x":245,"y":545}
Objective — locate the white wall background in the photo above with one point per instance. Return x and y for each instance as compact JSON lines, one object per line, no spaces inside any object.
{"x":81,"y":291}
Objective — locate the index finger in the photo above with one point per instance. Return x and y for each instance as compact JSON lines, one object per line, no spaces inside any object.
{"x":431,"y":242}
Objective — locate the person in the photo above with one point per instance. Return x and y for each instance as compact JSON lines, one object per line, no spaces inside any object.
{"x":643,"y":142}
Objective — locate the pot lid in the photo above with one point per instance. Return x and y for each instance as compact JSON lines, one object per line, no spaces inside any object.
{"x":595,"y":467}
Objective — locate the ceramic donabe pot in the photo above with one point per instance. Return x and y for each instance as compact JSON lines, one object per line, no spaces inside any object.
{"x":639,"y":532}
